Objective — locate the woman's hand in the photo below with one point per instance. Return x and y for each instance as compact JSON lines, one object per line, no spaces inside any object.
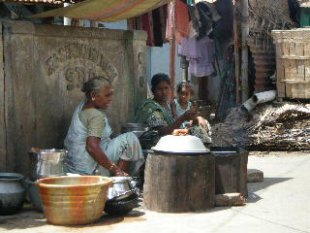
{"x":116,"y":171}
{"x":94,"y":149}
{"x":120,"y":173}
{"x":180,"y":132}
{"x":202,"y":122}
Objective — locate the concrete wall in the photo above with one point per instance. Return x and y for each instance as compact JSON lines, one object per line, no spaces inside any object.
{"x":159,"y":62}
{"x":44,"y":69}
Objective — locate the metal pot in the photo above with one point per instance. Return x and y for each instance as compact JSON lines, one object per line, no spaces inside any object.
{"x":121,"y":188}
{"x":147,"y":136}
{"x":46,"y":163}
{"x":34,"y":195}
{"x":12,"y":193}
{"x":123,"y":207}
{"x":137,"y":128}
{"x":122,"y":197}
{"x":188,"y":145}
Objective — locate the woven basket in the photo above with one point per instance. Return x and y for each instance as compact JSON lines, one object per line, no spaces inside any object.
{"x":293,"y":62}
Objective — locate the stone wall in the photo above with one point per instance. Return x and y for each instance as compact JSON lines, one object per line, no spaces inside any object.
{"x":44,"y":69}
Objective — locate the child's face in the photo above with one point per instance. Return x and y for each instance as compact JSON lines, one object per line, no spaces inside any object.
{"x":184,"y":95}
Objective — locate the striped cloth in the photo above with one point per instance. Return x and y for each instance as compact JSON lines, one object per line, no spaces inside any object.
{"x":105,"y":10}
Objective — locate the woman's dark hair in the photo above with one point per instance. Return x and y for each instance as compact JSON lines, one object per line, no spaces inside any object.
{"x":185,"y":84}
{"x":94,"y":85}
{"x":157,"y":78}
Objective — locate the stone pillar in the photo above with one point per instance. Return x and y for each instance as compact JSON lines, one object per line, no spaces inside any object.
{"x":136,"y":51}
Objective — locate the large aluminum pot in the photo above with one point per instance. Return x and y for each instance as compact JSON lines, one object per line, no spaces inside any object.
{"x":12,"y":193}
{"x":187,"y":145}
{"x":46,"y":163}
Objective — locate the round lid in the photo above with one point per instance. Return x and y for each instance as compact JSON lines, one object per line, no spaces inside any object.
{"x":180,"y":144}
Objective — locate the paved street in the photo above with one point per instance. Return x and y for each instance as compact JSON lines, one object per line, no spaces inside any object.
{"x":279,"y":204}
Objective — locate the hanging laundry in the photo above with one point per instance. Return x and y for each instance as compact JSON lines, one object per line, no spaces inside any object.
{"x":147,"y":25}
{"x":205,"y":20}
{"x":154,"y":23}
{"x":204,"y":17}
{"x":200,"y":54}
{"x":194,"y":15}
{"x":177,"y":21}
{"x":181,"y":20}
{"x":192,"y":32}
{"x":170,"y":21}
{"x":159,"y":25}
{"x":210,"y":7}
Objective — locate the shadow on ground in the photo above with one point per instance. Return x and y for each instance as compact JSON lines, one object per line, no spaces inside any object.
{"x":28,"y":218}
{"x":254,"y":187}
{"x":106,"y":219}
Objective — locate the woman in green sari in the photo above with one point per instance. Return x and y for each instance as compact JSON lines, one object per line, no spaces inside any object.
{"x":156,"y":112}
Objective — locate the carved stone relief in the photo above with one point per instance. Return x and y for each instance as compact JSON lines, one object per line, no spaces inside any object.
{"x":140,"y":68}
{"x":78,"y":63}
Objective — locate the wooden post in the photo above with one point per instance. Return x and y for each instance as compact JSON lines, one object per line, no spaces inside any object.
{"x":236,"y":51}
{"x":177,"y":183}
{"x":172,"y":51}
{"x":172,"y":63}
{"x":3,"y":133}
{"x":244,"y":60}
{"x":184,"y":66}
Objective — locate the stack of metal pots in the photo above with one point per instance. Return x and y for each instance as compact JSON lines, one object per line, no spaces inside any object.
{"x":122,"y":196}
{"x":44,"y":163}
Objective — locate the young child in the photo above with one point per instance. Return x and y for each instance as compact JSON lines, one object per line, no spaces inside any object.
{"x":182,"y":103}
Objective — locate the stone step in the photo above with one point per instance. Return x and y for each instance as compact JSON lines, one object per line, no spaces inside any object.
{"x":255,"y":175}
{"x":229,"y":199}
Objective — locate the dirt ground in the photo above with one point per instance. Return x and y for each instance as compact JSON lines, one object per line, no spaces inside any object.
{"x":279,"y":204}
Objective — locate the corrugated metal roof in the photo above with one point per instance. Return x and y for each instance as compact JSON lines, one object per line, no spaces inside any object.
{"x":54,"y":2}
{"x":263,"y":55}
